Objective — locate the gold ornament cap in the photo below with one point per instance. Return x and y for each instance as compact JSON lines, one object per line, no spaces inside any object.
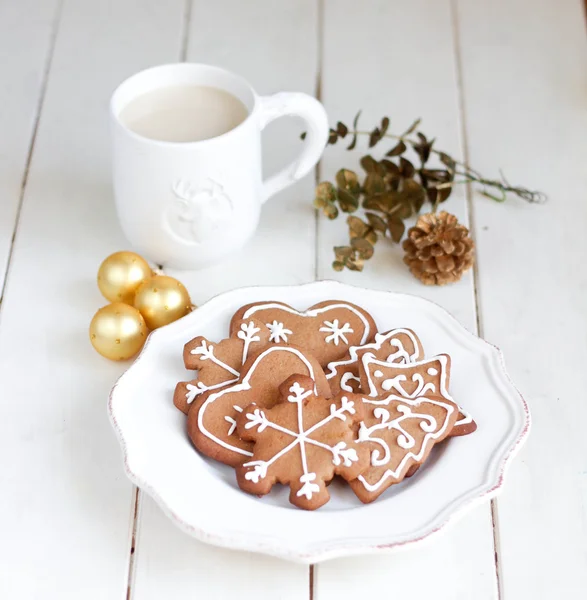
{"x":162,"y":300}
{"x":118,"y":331}
{"x":120,"y":274}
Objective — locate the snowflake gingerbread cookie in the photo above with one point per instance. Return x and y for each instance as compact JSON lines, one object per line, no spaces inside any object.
{"x":218,"y":364}
{"x":327,"y":330}
{"x":212,"y":419}
{"x":303,"y":441}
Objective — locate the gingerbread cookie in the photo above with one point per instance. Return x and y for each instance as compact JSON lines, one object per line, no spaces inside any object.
{"x":395,"y":346}
{"x":327,"y":330}
{"x":429,"y":376}
{"x":399,"y":432}
{"x":218,"y":364}
{"x":302,"y":442}
{"x":212,"y":418}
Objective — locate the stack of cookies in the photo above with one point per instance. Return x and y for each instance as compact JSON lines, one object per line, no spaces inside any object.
{"x":298,"y":397}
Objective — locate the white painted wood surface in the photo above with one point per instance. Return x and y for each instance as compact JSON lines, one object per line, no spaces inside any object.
{"x":363,"y":70}
{"x":525,"y":92}
{"x":66,"y":509}
{"x":23,"y":71}
{"x":66,"y":504}
{"x":275,"y":47}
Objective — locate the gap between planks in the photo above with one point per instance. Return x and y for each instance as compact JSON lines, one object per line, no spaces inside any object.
{"x":137,"y":495}
{"x":31,"y":147}
{"x":471,"y":214}
{"x":313,"y":569}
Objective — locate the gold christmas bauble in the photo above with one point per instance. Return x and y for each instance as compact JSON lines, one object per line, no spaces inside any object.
{"x":162,"y":300}
{"x":118,"y":331}
{"x":120,"y":275}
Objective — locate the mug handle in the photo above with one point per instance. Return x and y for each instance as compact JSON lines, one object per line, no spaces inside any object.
{"x":312,"y":112}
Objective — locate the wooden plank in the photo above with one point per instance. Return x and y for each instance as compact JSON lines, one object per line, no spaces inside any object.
{"x":397,"y":59}
{"x":26,"y":35}
{"x":66,"y":504}
{"x":275,"y":47}
{"x":525,"y":76}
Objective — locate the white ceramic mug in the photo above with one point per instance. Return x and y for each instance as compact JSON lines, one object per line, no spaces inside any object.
{"x":189,"y":204}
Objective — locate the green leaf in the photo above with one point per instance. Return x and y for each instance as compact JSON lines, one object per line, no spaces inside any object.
{"x":347,"y":202}
{"x":374,"y":203}
{"x":330,"y":211}
{"x":406,"y":168}
{"x":353,"y":143}
{"x":369,"y":164}
{"x":388,"y":201}
{"x":413,"y":193}
{"x":412,"y":127}
{"x":342,"y":252}
{"x":373,"y":184}
{"x":397,"y":150}
{"x":341,"y":129}
{"x":357,"y":227}
{"x":376,"y":222}
{"x":332,"y":137}
{"x":325,"y":194}
{"x":423,"y":148}
{"x":354,"y":264}
{"x":440,"y":175}
{"x":396,"y":228}
{"x":348,"y":181}
{"x":446,"y":160}
{"x":363,"y":247}
{"x":444,"y":193}
{"x":303,"y":135}
{"x":374,"y":137}
{"x":403,"y":210}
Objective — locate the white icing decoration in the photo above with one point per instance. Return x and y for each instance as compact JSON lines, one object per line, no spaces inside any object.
{"x":336,"y":332}
{"x":278,"y":332}
{"x":206,"y":352}
{"x":340,"y":452}
{"x":380,"y":339}
{"x":427,"y":423}
{"x":378,"y":373}
{"x":395,"y":383}
{"x":344,"y":385}
{"x":244,"y":385}
{"x":432,"y":371}
{"x":232,"y":424}
{"x":200,"y":388}
{"x":313,"y":313}
{"x":247,"y":334}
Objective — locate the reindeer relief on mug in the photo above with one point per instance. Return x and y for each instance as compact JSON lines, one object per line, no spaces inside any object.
{"x":198,"y":210}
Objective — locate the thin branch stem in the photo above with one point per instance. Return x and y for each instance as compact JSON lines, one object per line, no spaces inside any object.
{"x":470,"y":174}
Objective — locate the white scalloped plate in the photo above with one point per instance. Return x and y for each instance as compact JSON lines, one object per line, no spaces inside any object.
{"x":202,"y":497}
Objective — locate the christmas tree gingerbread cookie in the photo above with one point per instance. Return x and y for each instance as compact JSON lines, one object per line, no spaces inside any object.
{"x":399,"y":432}
{"x":427,"y":376}
{"x":303,"y":441}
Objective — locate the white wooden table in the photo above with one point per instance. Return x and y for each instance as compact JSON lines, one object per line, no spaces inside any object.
{"x":500,"y":83}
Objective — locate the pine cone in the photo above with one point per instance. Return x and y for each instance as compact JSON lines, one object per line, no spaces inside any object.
{"x":438,"y":249}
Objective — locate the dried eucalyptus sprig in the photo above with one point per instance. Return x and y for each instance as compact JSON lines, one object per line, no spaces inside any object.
{"x":394,"y":189}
